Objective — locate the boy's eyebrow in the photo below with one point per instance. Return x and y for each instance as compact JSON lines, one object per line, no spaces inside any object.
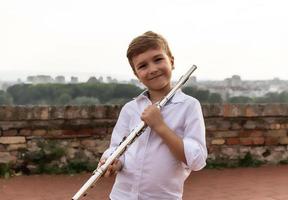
{"x":143,"y":62}
{"x":160,"y":54}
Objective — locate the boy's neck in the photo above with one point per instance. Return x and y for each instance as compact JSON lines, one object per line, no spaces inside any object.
{"x":156,"y":96}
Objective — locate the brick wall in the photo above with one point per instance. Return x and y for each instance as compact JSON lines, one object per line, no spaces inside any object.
{"x":82,"y":133}
{"x":233,"y":130}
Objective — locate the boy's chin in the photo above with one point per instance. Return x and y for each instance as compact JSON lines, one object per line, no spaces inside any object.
{"x":159,"y":88}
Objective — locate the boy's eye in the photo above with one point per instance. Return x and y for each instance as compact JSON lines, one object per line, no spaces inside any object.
{"x":141,"y":66}
{"x":158,"y":59}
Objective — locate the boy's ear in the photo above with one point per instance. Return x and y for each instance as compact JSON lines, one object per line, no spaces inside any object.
{"x":172,"y":62}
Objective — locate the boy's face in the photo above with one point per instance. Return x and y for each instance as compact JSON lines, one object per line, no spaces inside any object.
{"x":154,"y":69}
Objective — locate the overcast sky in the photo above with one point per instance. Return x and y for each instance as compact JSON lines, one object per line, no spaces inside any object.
{"x":90,"y":37}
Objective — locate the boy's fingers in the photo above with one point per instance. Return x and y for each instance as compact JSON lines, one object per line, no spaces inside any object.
{"x":108,"y":172}
{"x":114,"y":164}
{"x":112,"y":169}
{"x":101,"y":162}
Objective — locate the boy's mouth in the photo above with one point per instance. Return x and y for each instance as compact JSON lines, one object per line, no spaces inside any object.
{"x":154,"y":77}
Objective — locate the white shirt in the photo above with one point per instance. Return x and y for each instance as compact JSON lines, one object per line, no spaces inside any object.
{"x":150,"y":171}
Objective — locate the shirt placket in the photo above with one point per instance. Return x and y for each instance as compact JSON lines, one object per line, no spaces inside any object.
{"x":140,"y":160}
{"x":141,"y":155}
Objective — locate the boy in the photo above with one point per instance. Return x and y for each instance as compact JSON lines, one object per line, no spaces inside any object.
{"x":156,"y":165}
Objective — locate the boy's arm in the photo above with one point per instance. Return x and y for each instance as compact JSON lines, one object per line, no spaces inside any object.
{"x":153,"y":118}
{"x":191,"y":150}
{"x":121,"y":129}
{"x":173,"y":141}
{"x":194,"y":139}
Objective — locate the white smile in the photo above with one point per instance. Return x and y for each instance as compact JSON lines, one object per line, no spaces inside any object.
{"x":155,"y":77}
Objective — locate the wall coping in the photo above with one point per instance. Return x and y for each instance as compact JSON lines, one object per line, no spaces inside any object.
{"x":16,"y":113}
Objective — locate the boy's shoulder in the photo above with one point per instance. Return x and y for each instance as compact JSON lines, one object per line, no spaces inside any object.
{"x":182,"y":97}
{"x":129,"y":106}
{"x":179,"y":97}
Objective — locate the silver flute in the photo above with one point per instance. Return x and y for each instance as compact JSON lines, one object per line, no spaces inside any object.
{"x":136,"y":132}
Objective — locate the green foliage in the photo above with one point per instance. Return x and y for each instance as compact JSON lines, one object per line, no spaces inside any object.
{"x":64,"y":99}
{"x":97,"y":92}
{"x":47,"y":159}
{"x":79,"y":94}
{"x":5,"y":170}
{"x":84,"y":101}
{"x":117,"y":101}
{"x":204,"y":96}
{"x":249,"y":161}
{"x":77,"y":166}
{"x":240,"y":99}
{"x":246,"y":161}
{"x":49,"y":151}
{"x":5,"y":98}
{"x":215,"y":98}
{"x":220,"y":164}
{"x":284,"y":162}
{"x":271,"y":97}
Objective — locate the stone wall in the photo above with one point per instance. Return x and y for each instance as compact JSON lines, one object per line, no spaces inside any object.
{"x":234,"y":131}
{"x":43,"y":139}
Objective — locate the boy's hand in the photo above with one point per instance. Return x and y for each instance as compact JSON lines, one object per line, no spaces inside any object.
{"x":152,"y":117}
{"x":112,"y":169}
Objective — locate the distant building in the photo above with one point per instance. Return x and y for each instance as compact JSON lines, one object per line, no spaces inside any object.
{"x":74,"y":79}
{"x":234,"y":86}
{"x":59,"y":79}
{"x":40,"y":79}
{"x":235,"y":81}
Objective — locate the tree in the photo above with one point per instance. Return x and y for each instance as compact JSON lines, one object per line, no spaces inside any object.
{"x":283,"y":97}
{"x":5,"y":98}
{"x":85,"y":101}
{"x":240,"y":99}
{"x":215,"y":98}
{"x":64,"y":99}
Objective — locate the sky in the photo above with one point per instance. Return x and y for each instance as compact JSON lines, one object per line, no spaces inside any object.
{"x":90,"y":37}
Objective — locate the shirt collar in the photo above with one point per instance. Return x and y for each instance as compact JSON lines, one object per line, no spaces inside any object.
{"x":178,"y":97}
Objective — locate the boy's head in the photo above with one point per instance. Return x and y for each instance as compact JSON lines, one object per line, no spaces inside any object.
{"x":148,"y":40}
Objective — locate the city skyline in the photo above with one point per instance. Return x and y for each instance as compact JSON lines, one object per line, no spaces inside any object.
{"x":83,"y":77}
{"x":223,"y":38}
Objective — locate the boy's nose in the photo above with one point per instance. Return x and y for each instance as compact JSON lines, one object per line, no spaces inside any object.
{"x":153,"y":69}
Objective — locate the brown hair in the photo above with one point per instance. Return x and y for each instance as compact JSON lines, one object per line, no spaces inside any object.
{"x":144,"y":42}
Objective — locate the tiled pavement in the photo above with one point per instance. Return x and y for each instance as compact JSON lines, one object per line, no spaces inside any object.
{"x":263,"y":183}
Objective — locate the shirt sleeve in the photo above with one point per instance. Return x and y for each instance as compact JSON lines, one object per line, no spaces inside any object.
{"x":194,"y":138}
{"x":120,"y":131}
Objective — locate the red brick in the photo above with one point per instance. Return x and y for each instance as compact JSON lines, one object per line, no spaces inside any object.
{"x":271,"y":141}
{"x":246,"y":141}
{"x":12,"y":132}
{"x":232,"y":141}
{"x":258,"y":140}
{"x":251,"y":133}
{"x":88,"y":131}
{"x":54,"y":132}
{"x":39,"y":132}
{"x":25,"y":132}
{"x":256,"y":133}
{"x":81,"y":132}
{"x":244,"y":134}
{"x":69,"y":132}
{"x":250,"y":111}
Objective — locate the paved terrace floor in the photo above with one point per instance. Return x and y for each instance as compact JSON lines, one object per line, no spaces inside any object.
{"x":263,"y":183}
